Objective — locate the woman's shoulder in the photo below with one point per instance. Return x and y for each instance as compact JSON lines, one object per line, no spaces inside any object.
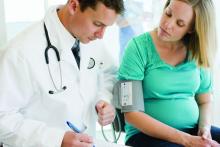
{"x":143,"y":38}
{"x":144,"y":44}
{"x":142,"y":41}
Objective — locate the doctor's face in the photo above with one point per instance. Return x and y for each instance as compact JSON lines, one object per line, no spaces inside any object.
{"x":91,"y":23}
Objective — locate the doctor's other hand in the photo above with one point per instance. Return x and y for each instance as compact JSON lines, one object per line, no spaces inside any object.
{"x":106,"y":112}
{"x":72,"y":139}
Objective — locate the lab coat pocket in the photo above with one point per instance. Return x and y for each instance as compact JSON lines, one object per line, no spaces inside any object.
{"x":66,"y":90}
{"x":67,"y":102}
{"x":89,"y":79}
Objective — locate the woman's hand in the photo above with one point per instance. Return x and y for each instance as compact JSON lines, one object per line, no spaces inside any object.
{"x":205,"y":133}
{"x":214,"y":143}
{"x":198,"y":141}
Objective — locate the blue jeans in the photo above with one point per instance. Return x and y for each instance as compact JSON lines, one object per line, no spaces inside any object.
{"x":143,"y":140}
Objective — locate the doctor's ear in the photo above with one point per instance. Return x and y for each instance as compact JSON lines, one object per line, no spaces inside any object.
{"x":73,"y":5}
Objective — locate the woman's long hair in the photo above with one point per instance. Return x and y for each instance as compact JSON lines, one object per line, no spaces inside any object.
{"x":202,"y":42}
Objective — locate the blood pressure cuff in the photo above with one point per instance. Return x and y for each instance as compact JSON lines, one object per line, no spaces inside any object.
{"x":128,"y":96}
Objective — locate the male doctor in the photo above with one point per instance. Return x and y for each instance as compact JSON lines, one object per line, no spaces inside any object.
{"x":47,"y":79}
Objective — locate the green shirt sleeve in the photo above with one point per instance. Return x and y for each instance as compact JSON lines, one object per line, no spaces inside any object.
{"x":205,"y":81}
{"x":134,"y":60}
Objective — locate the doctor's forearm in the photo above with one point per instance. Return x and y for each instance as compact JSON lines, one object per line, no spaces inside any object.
{"x":107,"y":79}
{"x":154,"y":128}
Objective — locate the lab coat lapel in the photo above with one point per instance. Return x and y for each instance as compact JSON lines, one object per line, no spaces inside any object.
{"x":62,"y":39}
{"x":83,"y":72}
{"x":88,"y":87}
{"x":88,"y":77}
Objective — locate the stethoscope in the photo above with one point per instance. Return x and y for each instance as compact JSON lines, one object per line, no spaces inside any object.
{"x":61,"y":88}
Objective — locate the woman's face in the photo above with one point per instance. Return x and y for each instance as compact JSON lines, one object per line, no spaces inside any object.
{"x":177,"y":20}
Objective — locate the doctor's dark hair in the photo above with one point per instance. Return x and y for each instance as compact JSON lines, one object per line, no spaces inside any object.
{"x":202,"y":41}
{"x":117,"y":5}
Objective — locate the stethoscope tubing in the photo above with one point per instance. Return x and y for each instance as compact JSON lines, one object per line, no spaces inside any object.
{"x":50,"y":46}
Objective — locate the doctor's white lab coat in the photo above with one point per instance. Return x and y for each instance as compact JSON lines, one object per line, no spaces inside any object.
{"x":29,"y":115}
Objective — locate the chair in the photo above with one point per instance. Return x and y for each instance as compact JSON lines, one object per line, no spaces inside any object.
{"x":119,"y":122}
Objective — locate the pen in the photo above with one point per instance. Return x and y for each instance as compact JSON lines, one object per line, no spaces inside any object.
{"x":74,"y":128}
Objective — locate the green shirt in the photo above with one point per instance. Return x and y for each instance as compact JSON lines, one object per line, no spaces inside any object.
{"x":169,"y":91}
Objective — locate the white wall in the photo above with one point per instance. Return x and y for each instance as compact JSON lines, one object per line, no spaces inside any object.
{"x":111,"y":41}
{"x":2,"y":24}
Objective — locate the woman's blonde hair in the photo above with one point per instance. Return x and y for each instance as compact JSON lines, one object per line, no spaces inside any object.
{"x":202,"y":42}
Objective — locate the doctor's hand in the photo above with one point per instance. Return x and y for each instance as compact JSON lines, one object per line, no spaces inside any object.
{"x":106,"y":113}
{"x":72,"y":139}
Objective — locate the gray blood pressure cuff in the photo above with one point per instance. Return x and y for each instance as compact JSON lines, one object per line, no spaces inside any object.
{"x":128,"y":96}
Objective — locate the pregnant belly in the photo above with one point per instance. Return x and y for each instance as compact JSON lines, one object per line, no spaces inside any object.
{"x":177,"y":113}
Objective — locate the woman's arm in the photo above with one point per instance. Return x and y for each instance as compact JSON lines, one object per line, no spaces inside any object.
{"x":154,"y":128}
{"x":204,"y":104}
